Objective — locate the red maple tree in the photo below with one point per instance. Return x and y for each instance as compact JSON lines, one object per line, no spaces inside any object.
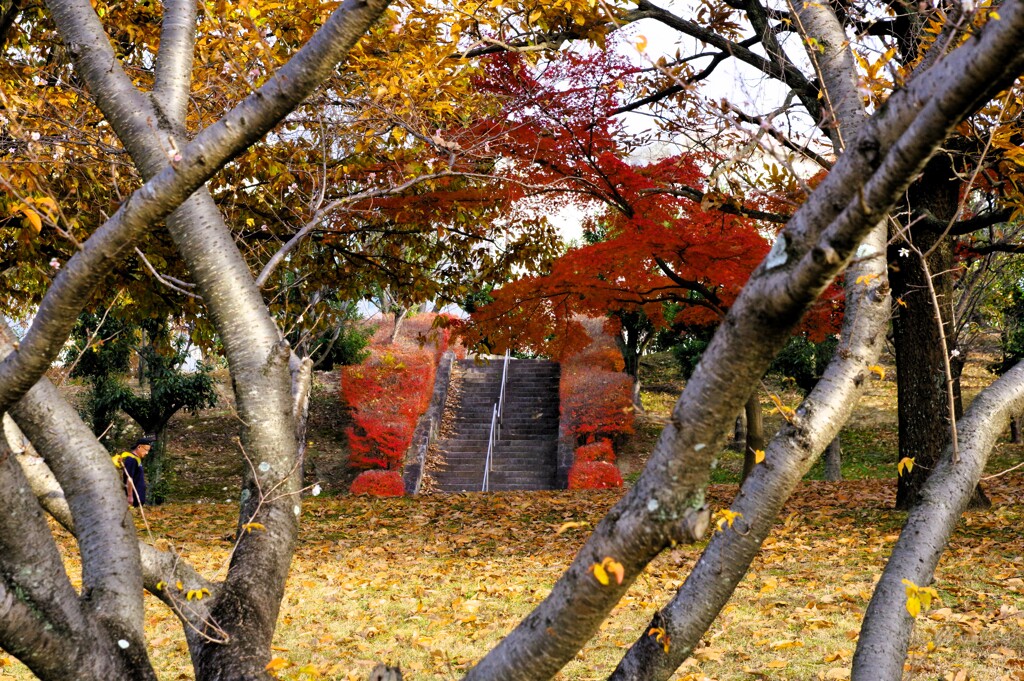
{"x":657,"y":232}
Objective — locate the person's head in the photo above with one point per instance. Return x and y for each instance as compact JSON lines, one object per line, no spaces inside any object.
{"x":143,"y":445}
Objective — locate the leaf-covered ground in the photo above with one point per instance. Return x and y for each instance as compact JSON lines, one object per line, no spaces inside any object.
{"x":432,"y":583}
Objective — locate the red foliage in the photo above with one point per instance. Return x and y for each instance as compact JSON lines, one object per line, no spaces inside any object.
{"x":387,"y":394}
{"x":652,"y":243}
{"x":379,"y":484}
{"x":597,"y":451}
{"x":596,"y":403}
{"x":594,"y":475}
{"x":602,"y":353}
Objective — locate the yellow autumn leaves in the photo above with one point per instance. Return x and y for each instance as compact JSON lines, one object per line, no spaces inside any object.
{"x":608,"y":568}
{"x":918,"y":597}
{"x":725,"y":518}
{"x":191,"y":594}
{"x":279,"y":663}
{"x":33,"y":210}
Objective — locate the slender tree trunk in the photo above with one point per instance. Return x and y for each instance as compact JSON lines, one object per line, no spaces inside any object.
{"x":739,"y":432}
{"x":755,"y":433}
{"x":922,"y":404}
{"x":885,"y":635}
{"x":834,"y":460}
{"x":631,"y":342}
{"x":399,"y":318}
{"x":155,"y":465}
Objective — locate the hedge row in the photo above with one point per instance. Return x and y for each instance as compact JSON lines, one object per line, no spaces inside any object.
{"x":597,"y":411}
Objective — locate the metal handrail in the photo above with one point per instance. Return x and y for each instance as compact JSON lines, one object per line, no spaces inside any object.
{"x":496,"y":413}
{"x":490,"y":451}
{"x":501,"y":395}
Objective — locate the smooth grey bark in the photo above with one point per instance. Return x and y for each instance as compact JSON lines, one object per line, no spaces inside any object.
{"x":42,"y":621}
{"x":715,"y":576}
{"x":173,"y":68}
{"x":95,"y":496}
{"x":885,"y":634}
{"x":788,"y":457}
{"x":818,"y":241}
{"x":64,"y":435}
{"x":248,"y":602}
{"x":45,"y":623}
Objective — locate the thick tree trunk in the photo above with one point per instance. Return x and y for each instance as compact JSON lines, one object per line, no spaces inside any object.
{"x":247,"y":605}
{"x":755,"y":433}
{"x":807,"y":255}
{"x":36,"y":585}
{"x":923,"y":403}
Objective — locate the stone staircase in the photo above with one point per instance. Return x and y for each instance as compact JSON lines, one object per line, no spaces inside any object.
{"x":525,"y":455}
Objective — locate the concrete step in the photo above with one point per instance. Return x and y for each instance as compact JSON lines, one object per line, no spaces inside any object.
{"x":511,"y":460}
{"x":528,"y":441}
{"x":483,"y":429}
{"x":501,"y":445}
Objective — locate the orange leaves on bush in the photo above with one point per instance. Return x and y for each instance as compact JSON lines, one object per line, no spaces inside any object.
{"x":379,"y":484}
{"x":596,"y":451}
{"x":601,"y":353}
{"x":594,"y":475}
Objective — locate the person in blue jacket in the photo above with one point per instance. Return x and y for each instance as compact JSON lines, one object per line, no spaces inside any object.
{"x":134,"y":476}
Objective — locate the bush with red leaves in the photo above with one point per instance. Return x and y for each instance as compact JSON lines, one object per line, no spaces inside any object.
{"x":596,"y":403}
{"x":597,"y":451}
{"x":594,"y":475}
{"x":379,"y":484}
{"x":387,"y":394}
{"x":596,"y":396}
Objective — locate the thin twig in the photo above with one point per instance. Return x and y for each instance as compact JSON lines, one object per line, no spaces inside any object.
{"x":168,"y":281}
{"x":1008,"y":470}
